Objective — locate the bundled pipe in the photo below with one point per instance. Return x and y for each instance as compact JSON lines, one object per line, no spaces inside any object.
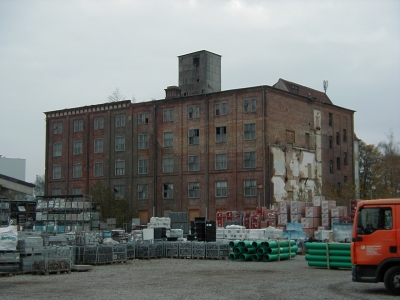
{"x":266,"y":251}
{"x":329,"y":255}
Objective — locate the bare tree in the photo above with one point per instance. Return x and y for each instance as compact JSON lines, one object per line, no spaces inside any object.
{"x":389,"y":183}
{"x":39,"y":185}
{"x":116,"y":96}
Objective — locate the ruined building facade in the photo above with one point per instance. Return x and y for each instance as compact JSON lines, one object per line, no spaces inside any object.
{"x":204,"y":151}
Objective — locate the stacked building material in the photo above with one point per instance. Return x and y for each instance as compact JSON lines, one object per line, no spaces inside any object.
{"x":329,"y":255}
{"x":130,"y":251}
{"x":185,"y":249}
{"x":294,"y":231}
{"x":327,"y":206}
{"x":179,"y":220}
{"x":56,"y":259}
{"x":198,"y":250}
{"x":284,"y":212}
{"x":297,"y":211}
{"x":156,"y":222}
{"x":171,"y":249}
{"x":30,"y":246}
{"x":9,"y":261}
{"x":217,"y":250}
{"x":147,"y":250}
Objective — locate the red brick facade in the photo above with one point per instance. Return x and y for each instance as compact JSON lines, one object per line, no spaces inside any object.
{"x":274,"y":117}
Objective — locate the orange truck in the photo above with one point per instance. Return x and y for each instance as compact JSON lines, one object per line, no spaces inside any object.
{"x":375,"y":245}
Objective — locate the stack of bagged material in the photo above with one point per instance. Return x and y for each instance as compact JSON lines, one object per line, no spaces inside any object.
{"x":294,"y":231}
{"x":234,"y":232}
{"x":156,"y":222}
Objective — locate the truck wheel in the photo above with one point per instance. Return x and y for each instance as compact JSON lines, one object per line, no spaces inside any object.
{"x":392,"y":280}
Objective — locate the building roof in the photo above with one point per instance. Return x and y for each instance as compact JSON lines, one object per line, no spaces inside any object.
{"x":301,"y":90}
{"x":12,"y":179}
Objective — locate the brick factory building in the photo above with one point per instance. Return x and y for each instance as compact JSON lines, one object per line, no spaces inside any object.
{"x":202,"y":150}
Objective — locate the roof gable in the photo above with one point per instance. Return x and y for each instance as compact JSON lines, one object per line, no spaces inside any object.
{"x":301,"y":90}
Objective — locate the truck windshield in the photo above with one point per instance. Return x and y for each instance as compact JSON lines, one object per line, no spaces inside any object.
{"x":373,"y":219}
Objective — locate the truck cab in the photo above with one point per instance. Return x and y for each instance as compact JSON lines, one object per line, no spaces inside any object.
{"x":375,"y":248}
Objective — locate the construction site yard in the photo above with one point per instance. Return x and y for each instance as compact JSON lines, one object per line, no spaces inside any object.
{"x":169,"y":278}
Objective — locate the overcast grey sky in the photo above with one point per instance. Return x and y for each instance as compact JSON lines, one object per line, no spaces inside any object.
{"x":64,"y":54}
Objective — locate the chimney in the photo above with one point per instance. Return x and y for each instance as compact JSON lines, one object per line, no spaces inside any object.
{"x":172,"y":92}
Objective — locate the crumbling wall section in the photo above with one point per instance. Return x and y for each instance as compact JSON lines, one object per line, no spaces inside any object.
{"x":293,"y":173}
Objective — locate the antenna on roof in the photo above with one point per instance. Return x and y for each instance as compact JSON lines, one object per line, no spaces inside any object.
{"x":325,"y":85}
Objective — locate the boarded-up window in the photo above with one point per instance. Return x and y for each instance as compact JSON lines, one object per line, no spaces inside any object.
{"x":289,"y":136}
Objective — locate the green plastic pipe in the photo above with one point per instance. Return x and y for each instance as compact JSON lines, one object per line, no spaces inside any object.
{"x":282,"y":250}
{"x":233,"y":244}
{"x":331,"y":264}
{"x":245,"y":244}
{"x":310,"y":257}
{"x":262,"y":250}
{"x":238,"y":250}
{"x":270,"y":257}
{"x":332,"y":246}
{"x":284,"y":256}
{"x":250,"y":250}
{"x":274,"y":244}
{"x":256,"y":257}
{"x":233,"y":256}
{"x":331,"y":252}
{"x":256,"y":244}
{"x":245,"y":257}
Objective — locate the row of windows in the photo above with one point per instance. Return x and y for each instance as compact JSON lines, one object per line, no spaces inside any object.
{"x":221,"y":190}
{"x":220,"y":109}
{"x":338,"y":138}
{"x":338,"y":162}
{"x":221,"y":163}
{"x":168,"y":140}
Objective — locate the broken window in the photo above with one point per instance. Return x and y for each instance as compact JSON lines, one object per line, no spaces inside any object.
{"x":168,"y":191}
{"x":143,"y":118}
{"x":143,"y":191}
{"x":220,"y":134}
{"x":290,"y":136}
{"x":194,"y":137}
{"x":194,"y":112}
{"x":196,"y":61}
{"x":57,"y":128}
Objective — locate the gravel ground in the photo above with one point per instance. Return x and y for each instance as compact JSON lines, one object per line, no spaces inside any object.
{"x":194,"y":279}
